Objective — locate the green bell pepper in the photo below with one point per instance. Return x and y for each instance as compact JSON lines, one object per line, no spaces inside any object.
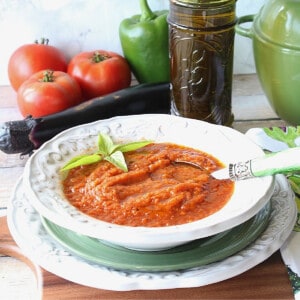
{"x":145,"y":45}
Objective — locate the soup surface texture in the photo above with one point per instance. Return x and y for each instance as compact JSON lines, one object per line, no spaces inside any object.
{"x":154,"y":192}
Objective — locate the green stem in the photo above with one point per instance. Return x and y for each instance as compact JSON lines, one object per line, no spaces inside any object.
{"x":146,"y":13}
{"x":43,"y":41}
{"x":291,"y":144}
{"x":48,"y":76}
{"x":97,"y":57}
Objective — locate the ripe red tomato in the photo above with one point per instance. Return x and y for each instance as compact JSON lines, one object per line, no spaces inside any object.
{"x":31,"y":58}
{"x":47,"y":92}
{"x":100,"y":72}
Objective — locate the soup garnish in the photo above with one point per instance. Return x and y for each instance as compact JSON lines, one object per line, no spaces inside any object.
{"x":107,"y":150}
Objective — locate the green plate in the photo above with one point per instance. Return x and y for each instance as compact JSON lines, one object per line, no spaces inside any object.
{"x":194,"y":254}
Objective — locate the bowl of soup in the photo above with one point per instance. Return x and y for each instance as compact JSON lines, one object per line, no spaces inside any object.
{"x":158,"y":203}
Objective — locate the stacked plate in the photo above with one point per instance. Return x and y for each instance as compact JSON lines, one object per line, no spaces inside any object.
{"x":255,"y":222}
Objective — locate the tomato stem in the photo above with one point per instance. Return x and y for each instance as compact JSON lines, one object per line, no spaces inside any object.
{"x":44,"y":41}
{"x":48,"y":76}
{"x":98,"y":57}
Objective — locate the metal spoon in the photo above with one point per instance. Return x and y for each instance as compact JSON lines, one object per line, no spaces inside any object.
{"x":191,"y":164}
{"x":270,"y":164}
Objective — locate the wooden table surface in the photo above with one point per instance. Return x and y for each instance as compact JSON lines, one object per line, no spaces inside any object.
{"x":268,"y":280}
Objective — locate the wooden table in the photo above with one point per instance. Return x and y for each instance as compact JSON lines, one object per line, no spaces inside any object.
{"x":268,"y":280}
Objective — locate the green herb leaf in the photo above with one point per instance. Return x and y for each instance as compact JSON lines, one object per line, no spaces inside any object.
{"x":81,"y":160}
{"x":117,"y":159}
{"x":295,"y":183}
{"x":132,"y":146}
{"x":107,"y":150}
{"x":287,"y":136}
{"x":105,"y":144}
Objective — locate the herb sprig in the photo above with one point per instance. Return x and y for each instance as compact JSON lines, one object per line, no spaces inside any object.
{"x":286,"y":135}
{"x":108,"y":151}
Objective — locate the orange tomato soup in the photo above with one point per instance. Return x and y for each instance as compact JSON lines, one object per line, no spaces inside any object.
{"x":154,"y":192}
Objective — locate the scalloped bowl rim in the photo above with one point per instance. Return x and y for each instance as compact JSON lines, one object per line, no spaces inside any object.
{"x":42,"y":179}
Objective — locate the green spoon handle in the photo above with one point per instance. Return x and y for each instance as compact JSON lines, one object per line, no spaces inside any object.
{"x":270,"y":164}
{"x":275,"y":163}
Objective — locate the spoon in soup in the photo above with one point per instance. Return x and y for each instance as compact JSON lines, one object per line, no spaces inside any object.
{"x":274,"y":163}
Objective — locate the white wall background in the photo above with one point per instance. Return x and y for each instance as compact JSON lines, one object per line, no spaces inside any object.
{"x":80,"y":25}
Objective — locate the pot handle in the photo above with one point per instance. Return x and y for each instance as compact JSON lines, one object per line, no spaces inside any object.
{"x":247,"y":32}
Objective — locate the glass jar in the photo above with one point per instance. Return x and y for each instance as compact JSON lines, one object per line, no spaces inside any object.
{"x":201,"y":41}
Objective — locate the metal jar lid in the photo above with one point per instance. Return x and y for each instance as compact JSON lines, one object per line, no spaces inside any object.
{"x":202,"y":14}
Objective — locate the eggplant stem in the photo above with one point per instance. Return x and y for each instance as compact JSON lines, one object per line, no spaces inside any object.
{"x":14,"y":136}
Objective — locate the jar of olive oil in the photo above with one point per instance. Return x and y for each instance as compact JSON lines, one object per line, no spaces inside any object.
{"x":201,"y":41}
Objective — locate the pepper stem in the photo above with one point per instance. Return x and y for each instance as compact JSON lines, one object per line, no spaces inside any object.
{"x":146,"y":13}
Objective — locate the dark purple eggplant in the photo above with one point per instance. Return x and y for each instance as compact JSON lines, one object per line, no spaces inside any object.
{"x":23,"y":136}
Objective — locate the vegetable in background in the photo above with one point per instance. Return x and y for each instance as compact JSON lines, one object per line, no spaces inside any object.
{"x":144,"y":40}
{"x":31,"y":58}
{"x":286,"y":135}
{"x":289,"y":135}
{"x":100,"y":72}
{"x":23,"y":136}
{"x":47,"y":92}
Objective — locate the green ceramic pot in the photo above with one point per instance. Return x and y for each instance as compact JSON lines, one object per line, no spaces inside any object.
{"x":275,"y":33}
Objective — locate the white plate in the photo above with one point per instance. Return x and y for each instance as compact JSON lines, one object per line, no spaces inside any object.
{"x":42,"y":179}
{"x":27,"y":230}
